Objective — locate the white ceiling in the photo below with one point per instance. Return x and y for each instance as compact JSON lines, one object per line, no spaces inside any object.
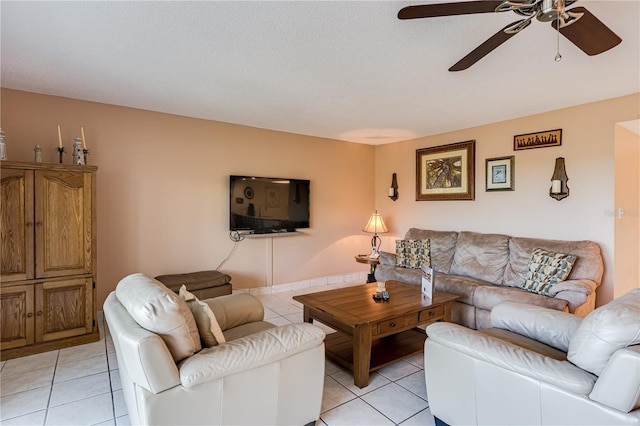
{"x":346,"y":70}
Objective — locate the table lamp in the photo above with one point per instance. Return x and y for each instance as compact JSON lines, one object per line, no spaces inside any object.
{"x":374,"y":226}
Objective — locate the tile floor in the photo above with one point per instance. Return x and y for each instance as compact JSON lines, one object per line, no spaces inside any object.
{"x":81,"y":385}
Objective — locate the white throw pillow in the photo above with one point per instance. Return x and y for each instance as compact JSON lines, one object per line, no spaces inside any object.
{"x":208,"y":327}
{"x":613,"y":326}
{"x":159,"y":310}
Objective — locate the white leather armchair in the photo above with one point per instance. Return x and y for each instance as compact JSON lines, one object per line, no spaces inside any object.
{"x":538,"y":366}
{"x":262,"y":374}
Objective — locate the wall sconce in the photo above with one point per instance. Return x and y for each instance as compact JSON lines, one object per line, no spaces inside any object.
{"x":393,"y":190}
{"x":559,"y":188}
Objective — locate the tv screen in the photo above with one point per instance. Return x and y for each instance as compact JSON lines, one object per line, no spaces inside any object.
{"x":265,"y":205}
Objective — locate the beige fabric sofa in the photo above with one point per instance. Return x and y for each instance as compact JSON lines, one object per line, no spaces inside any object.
{"x":262,"y":375}
{"x":538,"y":367}
{"x":484,"y":270}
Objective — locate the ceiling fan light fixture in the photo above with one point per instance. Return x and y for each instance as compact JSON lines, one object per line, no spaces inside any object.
{"x":550,"y":10}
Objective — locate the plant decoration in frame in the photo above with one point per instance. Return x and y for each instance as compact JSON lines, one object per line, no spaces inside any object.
{"x":537,"y":140}
{"x":500,"y":174}
{"x":446,"y":172}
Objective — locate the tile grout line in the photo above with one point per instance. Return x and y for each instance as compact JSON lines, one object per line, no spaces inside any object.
{"x":53,"y":378}
{"x":106,"y":353}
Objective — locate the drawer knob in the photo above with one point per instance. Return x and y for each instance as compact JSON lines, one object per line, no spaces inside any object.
{"x":393,"y":324}
{"x":39,"y":313}
{"x":431,"y":313}
{"x":30,"y":314}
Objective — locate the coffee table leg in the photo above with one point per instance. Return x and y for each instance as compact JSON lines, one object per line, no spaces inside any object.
{"x":306,"y":317}
{"x":361,"y":355}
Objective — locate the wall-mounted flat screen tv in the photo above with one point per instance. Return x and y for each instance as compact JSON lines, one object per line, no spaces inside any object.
{"x":263,"y":205}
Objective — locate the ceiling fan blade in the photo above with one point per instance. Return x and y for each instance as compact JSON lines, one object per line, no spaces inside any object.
{"x":588,"y":32}
{"x":448,"y":9}
{"x":488,"y":46}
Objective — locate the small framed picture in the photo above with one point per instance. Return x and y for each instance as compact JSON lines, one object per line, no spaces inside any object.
{"x":500,"y":174}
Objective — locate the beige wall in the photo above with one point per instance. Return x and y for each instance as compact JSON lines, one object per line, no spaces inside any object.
{"x":588,"y":147}
{"x":163,"y":189}
{"x":163,"y":186}
{"x":627,"y":198}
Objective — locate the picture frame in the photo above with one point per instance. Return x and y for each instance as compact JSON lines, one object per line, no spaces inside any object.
{"x":500,"y":174}
{"x":446,"y":172}
{"x":537,"y":140}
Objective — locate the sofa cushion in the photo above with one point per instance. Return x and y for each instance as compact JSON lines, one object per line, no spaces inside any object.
{"x":588,"y":265}
{"x":482,"y":256}
{"x":413,"y":253}
{"x":486,"y":297}
{"x":461,"y":286}
{"x":442,"y":243}
{"x":208,"y":327}
{"x":610,"y":327}
{"x":545,"y":269}
{"x":159,"y":310}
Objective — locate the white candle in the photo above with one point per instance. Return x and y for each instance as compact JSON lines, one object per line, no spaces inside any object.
{"x":391,"y":192}
{"x":59,"y":137}
{"x":556,"y":186}
{"x":84,"y":145}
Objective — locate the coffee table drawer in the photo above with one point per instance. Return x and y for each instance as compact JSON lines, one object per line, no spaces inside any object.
{"x":410,"y":320}
{"x":431,"y":314}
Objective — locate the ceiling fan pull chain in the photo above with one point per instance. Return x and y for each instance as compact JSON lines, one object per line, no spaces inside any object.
{"x":558,"y":57}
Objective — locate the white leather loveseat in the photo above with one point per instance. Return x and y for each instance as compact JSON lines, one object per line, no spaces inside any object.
{"x":262,"y":374}
{"x":538,"y":366}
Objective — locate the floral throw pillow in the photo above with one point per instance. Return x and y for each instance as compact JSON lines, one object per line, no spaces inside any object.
{"x":413,"y":253}
{"x":545,"y":269}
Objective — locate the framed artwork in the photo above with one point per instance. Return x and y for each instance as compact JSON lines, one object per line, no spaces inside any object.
{"x":537,"y":140}
{"x":446,"y":172}
{"x":500,"y":174}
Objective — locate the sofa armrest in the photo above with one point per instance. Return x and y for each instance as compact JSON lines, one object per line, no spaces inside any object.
{"x":510,"y":357}
{"x":387,"y":258}
{"x":249,"y":352}
{"x":619,"y":383}
{"x":548,"y":326}
{"x":579,"y":286}
{"x":233,"y":310}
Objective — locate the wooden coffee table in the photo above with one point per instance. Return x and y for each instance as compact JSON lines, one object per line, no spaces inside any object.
{"x":372,"y":334}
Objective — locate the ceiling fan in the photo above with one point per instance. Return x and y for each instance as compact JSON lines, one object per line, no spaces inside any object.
{"x":578,"y":25}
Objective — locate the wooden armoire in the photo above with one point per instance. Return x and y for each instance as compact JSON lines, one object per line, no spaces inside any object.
{"x":48,"y":243}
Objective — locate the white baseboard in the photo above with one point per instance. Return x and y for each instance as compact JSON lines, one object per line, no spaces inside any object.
{"x":312,"y":282}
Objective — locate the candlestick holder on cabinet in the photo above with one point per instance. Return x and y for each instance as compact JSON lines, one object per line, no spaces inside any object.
{"x":61,"y":151}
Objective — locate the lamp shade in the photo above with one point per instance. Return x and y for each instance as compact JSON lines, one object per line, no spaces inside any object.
{"x":375,"y":225}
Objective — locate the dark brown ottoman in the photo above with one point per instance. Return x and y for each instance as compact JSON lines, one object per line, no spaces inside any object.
{"x":203,"y":284}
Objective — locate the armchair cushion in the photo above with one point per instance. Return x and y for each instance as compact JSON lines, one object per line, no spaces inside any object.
{"x":159,"y":310}
{"x":208,"y":327}
{"x":249,"y":352}
{"x":233,"y":310}
{"x":613,"y":326}
{"x":551,"y":327}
